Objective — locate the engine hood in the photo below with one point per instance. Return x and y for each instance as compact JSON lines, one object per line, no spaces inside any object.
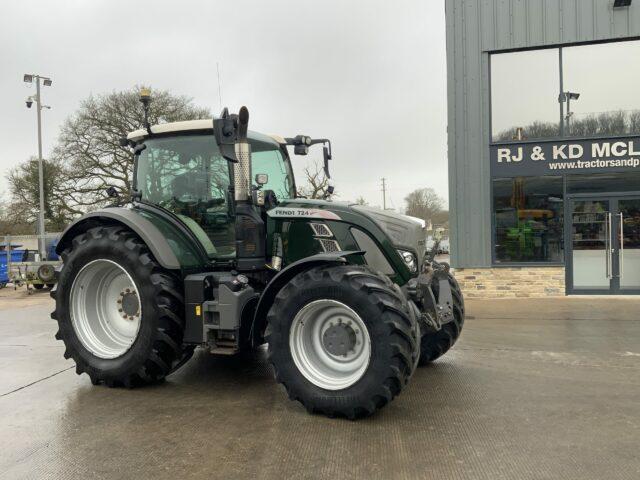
{"x":404,"y":231}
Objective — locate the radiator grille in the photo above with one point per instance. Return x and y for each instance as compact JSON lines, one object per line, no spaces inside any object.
{"x":329,"y":246}
{"x":321,"y":230}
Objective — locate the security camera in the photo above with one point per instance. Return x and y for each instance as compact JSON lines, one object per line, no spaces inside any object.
{"x":29,"y":102}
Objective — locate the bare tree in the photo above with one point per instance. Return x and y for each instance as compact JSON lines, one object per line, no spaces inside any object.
{"x":606,"y":123}
{"x":12,"y":222}
{"x":316,"y":184}
{"x":25,"y":195}
{"x":89,"y":149}
{"x":361,"y":201}
{"x":426,"y":204}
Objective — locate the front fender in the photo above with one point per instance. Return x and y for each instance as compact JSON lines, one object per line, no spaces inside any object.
{"x":283,"y":277}
{"x":147,"y":231}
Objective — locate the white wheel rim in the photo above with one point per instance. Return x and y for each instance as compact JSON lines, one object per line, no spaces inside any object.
{"x":325,"y":362}
{"x":105,"y":308}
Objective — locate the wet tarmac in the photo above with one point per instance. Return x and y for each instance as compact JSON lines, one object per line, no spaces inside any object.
{"x":535,"y":389}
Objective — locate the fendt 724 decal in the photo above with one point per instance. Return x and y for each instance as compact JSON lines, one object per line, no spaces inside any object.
{"x":285,"y":212}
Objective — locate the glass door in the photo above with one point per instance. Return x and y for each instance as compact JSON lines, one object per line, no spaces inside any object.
{"x":604,"y":255}
{"x":591,"y":251}
{"x":628,"y":240}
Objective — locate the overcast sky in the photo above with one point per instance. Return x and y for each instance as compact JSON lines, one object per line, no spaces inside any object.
{"x":369,"y":75}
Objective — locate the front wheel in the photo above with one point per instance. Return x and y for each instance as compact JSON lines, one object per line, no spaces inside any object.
{"x":119,"y":312}
{"x":341,"y":340}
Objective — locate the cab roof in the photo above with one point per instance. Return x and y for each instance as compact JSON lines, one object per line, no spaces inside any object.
{"x":195,"y":125}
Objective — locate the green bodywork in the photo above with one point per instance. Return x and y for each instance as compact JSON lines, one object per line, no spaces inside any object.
{"x":299,"y":241}
{"x":191,"y":255}
{"x":297,"y":237}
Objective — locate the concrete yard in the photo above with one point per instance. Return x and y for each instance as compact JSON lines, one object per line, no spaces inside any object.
{"x":535,"y":389}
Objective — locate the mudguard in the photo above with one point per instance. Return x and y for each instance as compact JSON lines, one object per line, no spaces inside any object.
{"x":283,"y":277}
{"x":146,"y":230}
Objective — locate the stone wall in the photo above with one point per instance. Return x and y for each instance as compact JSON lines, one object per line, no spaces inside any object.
{"x":511,"y":282}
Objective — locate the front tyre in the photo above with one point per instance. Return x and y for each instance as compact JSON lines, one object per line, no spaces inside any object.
{"x":341,"y":340}
{"x":119,"y":313}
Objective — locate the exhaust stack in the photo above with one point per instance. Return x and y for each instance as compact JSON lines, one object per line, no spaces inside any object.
{"x":242,"y":170}
{"x":231,"y":134}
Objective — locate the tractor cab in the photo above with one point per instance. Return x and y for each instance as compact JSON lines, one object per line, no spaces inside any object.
{"x":181,"y":169}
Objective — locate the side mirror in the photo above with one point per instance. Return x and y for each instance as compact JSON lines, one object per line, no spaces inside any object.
{"x":326,"y":153}
{"x":262,"y":178}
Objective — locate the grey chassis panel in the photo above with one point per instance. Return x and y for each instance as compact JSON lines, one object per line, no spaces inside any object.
{"x":147,"y":231}
{"x":277,"y":282}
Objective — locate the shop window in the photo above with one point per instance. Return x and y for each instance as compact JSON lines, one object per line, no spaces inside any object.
{"x":604,"y":78}
{"x":604,"y":182}
{"x":524,"y":95}
{"x":528,"y":219}
{"x":598,"y":96}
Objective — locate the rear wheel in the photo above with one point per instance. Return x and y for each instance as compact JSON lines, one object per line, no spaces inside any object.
{"x":434,"y":345}
{"x":119,"y":313}
{"x":341,"y":340}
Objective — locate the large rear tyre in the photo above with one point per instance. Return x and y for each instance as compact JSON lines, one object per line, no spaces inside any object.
{"x":434,"y":345}
{"x":341,"y":340}
{"x":120,"y":314}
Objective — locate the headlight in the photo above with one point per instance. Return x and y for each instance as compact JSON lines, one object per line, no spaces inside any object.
{"x":410,"y":260}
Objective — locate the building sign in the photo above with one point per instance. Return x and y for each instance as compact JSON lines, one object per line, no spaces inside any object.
{"x":567,"y":156}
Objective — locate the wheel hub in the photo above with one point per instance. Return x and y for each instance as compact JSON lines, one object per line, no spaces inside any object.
{"x":339,"y":339}
{"x":105,"y":308}
{"x":330,"y":344}
{"x":129,"y":306}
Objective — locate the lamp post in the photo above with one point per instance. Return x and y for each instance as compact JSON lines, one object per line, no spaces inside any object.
{"x":29,"y":78}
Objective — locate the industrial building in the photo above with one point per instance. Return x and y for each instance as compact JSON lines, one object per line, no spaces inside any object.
{"x":544,"y":146}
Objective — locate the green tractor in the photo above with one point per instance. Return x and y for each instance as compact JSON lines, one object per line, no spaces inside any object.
{"x":216,"y":250}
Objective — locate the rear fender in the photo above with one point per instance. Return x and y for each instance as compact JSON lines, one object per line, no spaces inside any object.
{"x":282,"y":278}
{"x":146,"y":230}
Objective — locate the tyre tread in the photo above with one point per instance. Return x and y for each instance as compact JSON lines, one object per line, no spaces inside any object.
{"x":167,"y":351}
{"x":394,"y":315}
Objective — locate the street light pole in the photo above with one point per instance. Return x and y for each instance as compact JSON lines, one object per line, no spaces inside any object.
{"x":41,"y":232}
{"x":28,"y":78}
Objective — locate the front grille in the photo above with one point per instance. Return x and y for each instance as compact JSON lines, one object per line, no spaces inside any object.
{"x":329,"y":246}
{"x":321,"y":230}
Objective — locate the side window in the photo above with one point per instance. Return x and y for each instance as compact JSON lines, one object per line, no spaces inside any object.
{"x":271,"y":163}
